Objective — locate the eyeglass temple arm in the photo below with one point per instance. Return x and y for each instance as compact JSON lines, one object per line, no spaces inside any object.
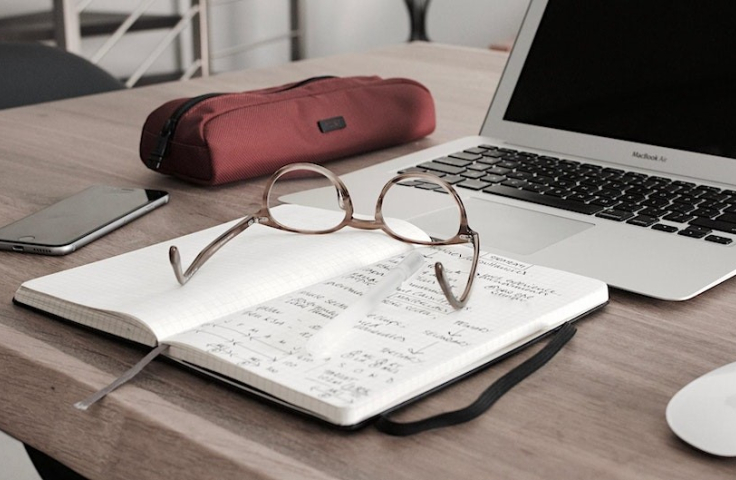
{"x":439,"y":271}
{"x":208,"y":251}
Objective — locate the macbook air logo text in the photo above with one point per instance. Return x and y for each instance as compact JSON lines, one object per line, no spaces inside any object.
{"x":649,"y":156}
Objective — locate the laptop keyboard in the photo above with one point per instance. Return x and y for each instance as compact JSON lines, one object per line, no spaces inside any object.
{"x":659,"y":203}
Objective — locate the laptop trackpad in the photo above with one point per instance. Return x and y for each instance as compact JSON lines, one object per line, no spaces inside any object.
{"x":504,"y":227}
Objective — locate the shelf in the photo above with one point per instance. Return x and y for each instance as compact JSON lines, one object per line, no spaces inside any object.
{"x":40,"y":26}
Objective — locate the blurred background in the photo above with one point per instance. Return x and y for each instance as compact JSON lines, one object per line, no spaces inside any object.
{"x":243,"y":34}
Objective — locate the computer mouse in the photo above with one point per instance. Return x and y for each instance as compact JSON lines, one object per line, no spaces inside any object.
{"x":703,"y":413}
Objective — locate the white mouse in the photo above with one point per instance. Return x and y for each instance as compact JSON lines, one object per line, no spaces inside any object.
{"x":703,"y":413}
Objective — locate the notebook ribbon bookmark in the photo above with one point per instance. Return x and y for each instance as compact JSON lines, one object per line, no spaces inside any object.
{"x":124,"y":378}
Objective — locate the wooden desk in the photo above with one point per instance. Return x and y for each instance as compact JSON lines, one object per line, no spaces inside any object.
{"x":597,"y":410}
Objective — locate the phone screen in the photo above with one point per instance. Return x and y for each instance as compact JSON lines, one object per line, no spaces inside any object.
{"x":78,"y":219}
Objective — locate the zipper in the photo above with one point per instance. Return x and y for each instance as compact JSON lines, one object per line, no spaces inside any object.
{"x":304,"y":82}
{"x":167,"y":132}
{"x":164,"y":138}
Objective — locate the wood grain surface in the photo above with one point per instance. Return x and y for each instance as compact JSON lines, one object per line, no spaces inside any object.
{"x":596,"y":411}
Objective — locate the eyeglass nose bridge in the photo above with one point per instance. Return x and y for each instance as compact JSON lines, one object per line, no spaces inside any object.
{"x":366,"y":224}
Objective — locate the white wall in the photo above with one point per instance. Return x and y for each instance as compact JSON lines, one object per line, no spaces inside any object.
{"x":338,"y":26}
{"x":331,"y":27}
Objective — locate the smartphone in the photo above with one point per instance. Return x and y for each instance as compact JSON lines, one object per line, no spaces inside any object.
{"x":77,"y":220}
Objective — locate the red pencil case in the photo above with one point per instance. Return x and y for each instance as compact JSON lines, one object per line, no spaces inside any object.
{"x":218,"y":138}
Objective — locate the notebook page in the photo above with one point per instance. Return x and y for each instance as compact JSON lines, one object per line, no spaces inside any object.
{"x":259,"y":264}
{"x":412,"y":342}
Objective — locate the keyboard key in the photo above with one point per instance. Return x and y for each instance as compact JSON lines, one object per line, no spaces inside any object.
{"x":453,"y":179}
{"x":727,"y":217}
{"x":559,"y":183}
{"x":664,"y":228}
{"x":581,"y":197}
{"x":609,"y":193}
{"x":429,"y":186}
{"x":632,"y":197}
{"x":615,"y":215}
{"x":642,"y":221}
{"x":413,"y":170}
{"x":521,"y":175}
{"x":656,"y":202}
{"x":544,"y":180}
{"x":713,"y":204}
{"x":715,"y":197}
{"x":705,"y":212}
{"x":411,"y":183}
{"x":473,"y":184}
{"x":628,"y":207}
{"x":514,"y":182}
{"x":678,"y":217}
{"x":717,"y":239}
{"x":559,"y":192}
{"x":653,"y":212}
{"x":472,"y":174}
{"x":496,"y":170}
{"x":688,"y":232}
{"x":510,"y":164}
{"x":453,"y":161}
{"x":714,"y":225}
{"x":494,"y":178}
{"x":488,"y":160}
{"x":605,"y":202}
{"x":681,"y":208}
{"x":493,"y":154}
{"x":478,"y":166}
{"x":585,"y":188}
{"x":536,"y":187}
{"x":466,"y":156}
{"x":441,"y":167}
{"x":476,"y":150}
{"x":546,"y":200}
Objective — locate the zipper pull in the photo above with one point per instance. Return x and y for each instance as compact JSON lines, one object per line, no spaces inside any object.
{"x":159,"y":152}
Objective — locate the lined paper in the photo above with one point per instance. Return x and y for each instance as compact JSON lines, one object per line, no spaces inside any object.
{"x":412,"y":342}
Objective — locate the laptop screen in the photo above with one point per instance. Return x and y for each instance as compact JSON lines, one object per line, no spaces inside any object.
{"x":658,"y":72}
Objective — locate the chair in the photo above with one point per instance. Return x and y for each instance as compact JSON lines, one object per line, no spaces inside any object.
{"x":35,"y":73}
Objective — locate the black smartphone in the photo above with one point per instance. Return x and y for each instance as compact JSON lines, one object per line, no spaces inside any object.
{"x":77,"y":220}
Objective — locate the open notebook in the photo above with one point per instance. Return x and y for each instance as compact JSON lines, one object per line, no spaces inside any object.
{"x":249,"y":311}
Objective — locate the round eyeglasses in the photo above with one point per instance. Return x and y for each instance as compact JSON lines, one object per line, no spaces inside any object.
{"x":397,"y":192}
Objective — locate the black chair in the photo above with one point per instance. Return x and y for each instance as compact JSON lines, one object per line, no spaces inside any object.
{"x":34,"y":73}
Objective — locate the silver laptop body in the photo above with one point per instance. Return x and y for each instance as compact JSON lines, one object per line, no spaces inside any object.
{"x":579,"y":86}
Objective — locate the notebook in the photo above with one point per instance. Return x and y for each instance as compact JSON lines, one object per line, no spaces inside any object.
{"x":246,"y":316}
{"x":636,"y":90}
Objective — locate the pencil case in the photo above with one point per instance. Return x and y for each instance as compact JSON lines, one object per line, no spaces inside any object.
{"x":219,"y":138}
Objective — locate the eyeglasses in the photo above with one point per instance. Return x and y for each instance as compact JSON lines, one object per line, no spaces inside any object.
{"x":338,"y":193}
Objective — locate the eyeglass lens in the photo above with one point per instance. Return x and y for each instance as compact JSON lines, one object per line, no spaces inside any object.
{"x":441,"y":219}
{"x":327,"y":197}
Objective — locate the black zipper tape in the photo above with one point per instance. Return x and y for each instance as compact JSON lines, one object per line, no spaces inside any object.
{"x":164,"y":139}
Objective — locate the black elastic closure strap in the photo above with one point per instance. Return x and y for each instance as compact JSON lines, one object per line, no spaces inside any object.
{"x":487,"y":398}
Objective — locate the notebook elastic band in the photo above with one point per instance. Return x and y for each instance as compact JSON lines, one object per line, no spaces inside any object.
{"x":487,"y":398}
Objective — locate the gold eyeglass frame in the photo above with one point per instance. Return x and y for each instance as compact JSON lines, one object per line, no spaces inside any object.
{"x":263,"y":217}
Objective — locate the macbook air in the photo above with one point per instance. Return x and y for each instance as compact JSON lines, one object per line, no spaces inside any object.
{"x":609,"y":148}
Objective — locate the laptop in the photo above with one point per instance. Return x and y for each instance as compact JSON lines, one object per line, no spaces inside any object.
{"x":610,"y":145}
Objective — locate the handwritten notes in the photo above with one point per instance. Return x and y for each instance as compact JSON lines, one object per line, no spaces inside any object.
{"x":412,"y":341}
